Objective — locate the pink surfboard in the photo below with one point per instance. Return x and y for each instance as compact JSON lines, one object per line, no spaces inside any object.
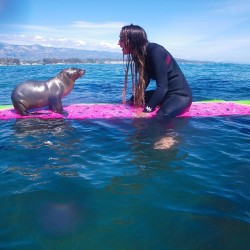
{"x":108,"y":111}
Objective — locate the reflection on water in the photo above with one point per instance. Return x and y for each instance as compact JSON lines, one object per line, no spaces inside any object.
{"x":147,"y":133}
{"x":43,"y":145}
{"x":39,"y":128}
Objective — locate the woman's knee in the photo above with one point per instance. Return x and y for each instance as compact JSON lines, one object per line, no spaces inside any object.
{"x":174,"y":107}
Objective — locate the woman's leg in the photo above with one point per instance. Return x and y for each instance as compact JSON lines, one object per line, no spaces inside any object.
{"x":174,"y":105}
{"x":170,"y":108}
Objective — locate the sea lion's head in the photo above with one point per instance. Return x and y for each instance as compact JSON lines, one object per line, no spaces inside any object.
{"x":72,"y":73}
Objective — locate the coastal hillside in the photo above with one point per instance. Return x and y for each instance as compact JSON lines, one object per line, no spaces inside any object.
{"x":11,"y":54}
{"x":38,"y":52}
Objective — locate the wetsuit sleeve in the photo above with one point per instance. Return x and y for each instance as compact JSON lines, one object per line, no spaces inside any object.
{"x":160,"y":68}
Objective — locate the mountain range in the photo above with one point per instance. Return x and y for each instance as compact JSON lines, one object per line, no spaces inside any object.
{"x":38,"y":52}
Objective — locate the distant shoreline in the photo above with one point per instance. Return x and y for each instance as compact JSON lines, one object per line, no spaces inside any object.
{"x":55,"y":61}
{"x":41,"y":64}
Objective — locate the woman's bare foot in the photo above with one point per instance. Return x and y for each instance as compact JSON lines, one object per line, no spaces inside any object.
{"x":165,"y":143}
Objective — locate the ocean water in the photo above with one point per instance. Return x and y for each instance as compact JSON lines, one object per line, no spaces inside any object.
{"x":100,"y":184}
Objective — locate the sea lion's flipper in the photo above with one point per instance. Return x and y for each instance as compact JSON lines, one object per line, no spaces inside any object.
{"x":20,"y":108}
{"x":55,"y":104}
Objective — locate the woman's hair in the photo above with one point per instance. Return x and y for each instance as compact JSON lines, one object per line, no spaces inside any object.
{"x":135,"y":39}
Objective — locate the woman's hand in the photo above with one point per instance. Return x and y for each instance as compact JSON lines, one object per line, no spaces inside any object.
{"x":141,"y":114}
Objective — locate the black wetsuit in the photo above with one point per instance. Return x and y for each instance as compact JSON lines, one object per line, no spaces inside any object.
{"x":173,"y":94}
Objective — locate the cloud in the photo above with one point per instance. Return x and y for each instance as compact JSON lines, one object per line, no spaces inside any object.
{"x":78,"y":43}
{"x":80,"y":34}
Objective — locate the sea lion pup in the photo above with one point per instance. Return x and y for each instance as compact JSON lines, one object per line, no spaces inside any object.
{"x":38,"y":94}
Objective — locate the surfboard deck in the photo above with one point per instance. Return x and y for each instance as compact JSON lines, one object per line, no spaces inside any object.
{"x":108,"y":111}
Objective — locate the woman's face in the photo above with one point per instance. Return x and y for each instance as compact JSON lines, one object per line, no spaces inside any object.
{"x":122,"y":43}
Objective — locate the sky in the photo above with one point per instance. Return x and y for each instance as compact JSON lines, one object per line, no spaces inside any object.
{"x":214,"y":30}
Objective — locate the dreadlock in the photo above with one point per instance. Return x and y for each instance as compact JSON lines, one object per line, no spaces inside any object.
{"x":135,"y":39}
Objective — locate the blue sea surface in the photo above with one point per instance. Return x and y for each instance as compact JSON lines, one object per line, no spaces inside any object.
{"x":100,"y":184}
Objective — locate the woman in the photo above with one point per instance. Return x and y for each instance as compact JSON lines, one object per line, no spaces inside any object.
{"x":148,"y":61}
